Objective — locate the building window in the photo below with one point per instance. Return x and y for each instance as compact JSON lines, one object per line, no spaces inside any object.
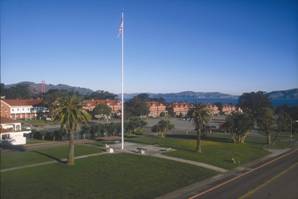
{"x":18,"y":127}
{"x":5,"y":136}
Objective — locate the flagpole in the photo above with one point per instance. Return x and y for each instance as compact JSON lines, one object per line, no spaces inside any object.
{"x":122,"y":84}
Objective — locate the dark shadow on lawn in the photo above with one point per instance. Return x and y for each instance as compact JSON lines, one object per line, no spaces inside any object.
{"x":204,"y":137}
{"x":218,"y":139}
{"x":50,"y":156}
{"x":10,"y":147}
{"x":179,"y":136}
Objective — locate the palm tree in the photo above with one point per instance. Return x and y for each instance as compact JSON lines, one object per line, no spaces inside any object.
{"x":68,"y":110}
{"x":200,"y":116}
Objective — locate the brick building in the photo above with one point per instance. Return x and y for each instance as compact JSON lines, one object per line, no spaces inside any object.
{"x":213,"y":109}
{"x":115,"y":105}
{"x":22,"y":108}
{"x":180,"y":109}
{"x":229,"y":109}
{"x":156,"y":108}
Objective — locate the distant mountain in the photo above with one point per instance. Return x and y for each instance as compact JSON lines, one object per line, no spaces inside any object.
{"x":284,"y":94}
{"x":35,"y":87}
{"x":190,"y":96}
{"x":289,"y":97}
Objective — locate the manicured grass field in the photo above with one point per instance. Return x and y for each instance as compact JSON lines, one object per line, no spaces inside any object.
{"x":36,"y":141}
{"x":108,"y":176}
{"x":38,"y":122}
{"x":19,"y":158}
{"x":214,"y":152}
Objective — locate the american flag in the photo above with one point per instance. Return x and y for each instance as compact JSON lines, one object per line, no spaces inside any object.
{"x":121,"y":27}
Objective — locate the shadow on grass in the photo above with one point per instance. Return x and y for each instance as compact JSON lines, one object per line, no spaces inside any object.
{"x":218,"y":139}
{"x":10,"y":147}
{"x":51,"y":157}
{"x":204,"y":137}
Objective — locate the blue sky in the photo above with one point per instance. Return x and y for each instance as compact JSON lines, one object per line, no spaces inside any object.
{"x":170,"y":45}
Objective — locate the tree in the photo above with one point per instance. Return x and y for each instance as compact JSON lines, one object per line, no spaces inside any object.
{"x":135,"y":125}
{"x":137,"y":106}
{"x":170,"y":111}
{"x":200,"y":116}
{"x":69,"y":112}
{"x":2,"y":89}
{"x":292,"y":111}
{"x":239,"y":124}
{"x":112,"y":129}
{"x":219,"y":106}
{"x":101,"y":95}
{"x":20,"y":91}
{"x":253,"y":102}
{"x":283,"y":122}
{"x":265,"y":121}
{"x":162,"y":114}
{"x":102,"y":111}
{"x":163,"y":126}
{"x":51,"y":96}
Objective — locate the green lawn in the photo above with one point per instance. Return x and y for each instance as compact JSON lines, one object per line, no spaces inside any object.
{"x":214,"y":152}
{"x":19,"y":158}
{"x":35,"y":141}
{"x":108,"y":176}
{"x":38,"y":122}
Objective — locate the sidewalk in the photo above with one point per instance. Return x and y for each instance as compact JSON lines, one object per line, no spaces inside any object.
{"x":200,"y":164}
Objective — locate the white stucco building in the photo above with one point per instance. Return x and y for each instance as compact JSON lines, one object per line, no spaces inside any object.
{"x":11,"y":132}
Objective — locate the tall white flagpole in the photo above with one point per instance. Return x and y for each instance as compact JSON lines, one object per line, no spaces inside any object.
{"x":122,"y":81}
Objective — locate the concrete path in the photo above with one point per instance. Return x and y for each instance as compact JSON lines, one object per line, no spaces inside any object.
{"x":50,"y":162}
{"x":200,"y":164}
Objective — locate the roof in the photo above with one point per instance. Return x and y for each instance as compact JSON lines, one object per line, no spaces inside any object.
{"x":181,"y":104}
{"x":156,"y":103}
{"x":94,"y":102}
{"x":23,"y":102}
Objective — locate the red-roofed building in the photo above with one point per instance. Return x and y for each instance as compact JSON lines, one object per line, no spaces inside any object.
{"x":213,"y":109}
{"x":115,"y":105}
{"x":22,"y":108}
{"x":180,"y":109}
{"x":156,"y":108}
{"x":229,"y":109}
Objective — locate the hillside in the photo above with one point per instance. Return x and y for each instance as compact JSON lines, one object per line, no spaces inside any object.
{"x":284,"y":94}
{"x":35,"y":87}
{"x":289,"y":96}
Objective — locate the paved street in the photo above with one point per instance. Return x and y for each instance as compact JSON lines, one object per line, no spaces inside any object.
{"x":284,"y":186}
{"x":276,"y":180}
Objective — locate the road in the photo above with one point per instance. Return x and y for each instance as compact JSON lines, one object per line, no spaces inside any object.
{"x":277,"y":179}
